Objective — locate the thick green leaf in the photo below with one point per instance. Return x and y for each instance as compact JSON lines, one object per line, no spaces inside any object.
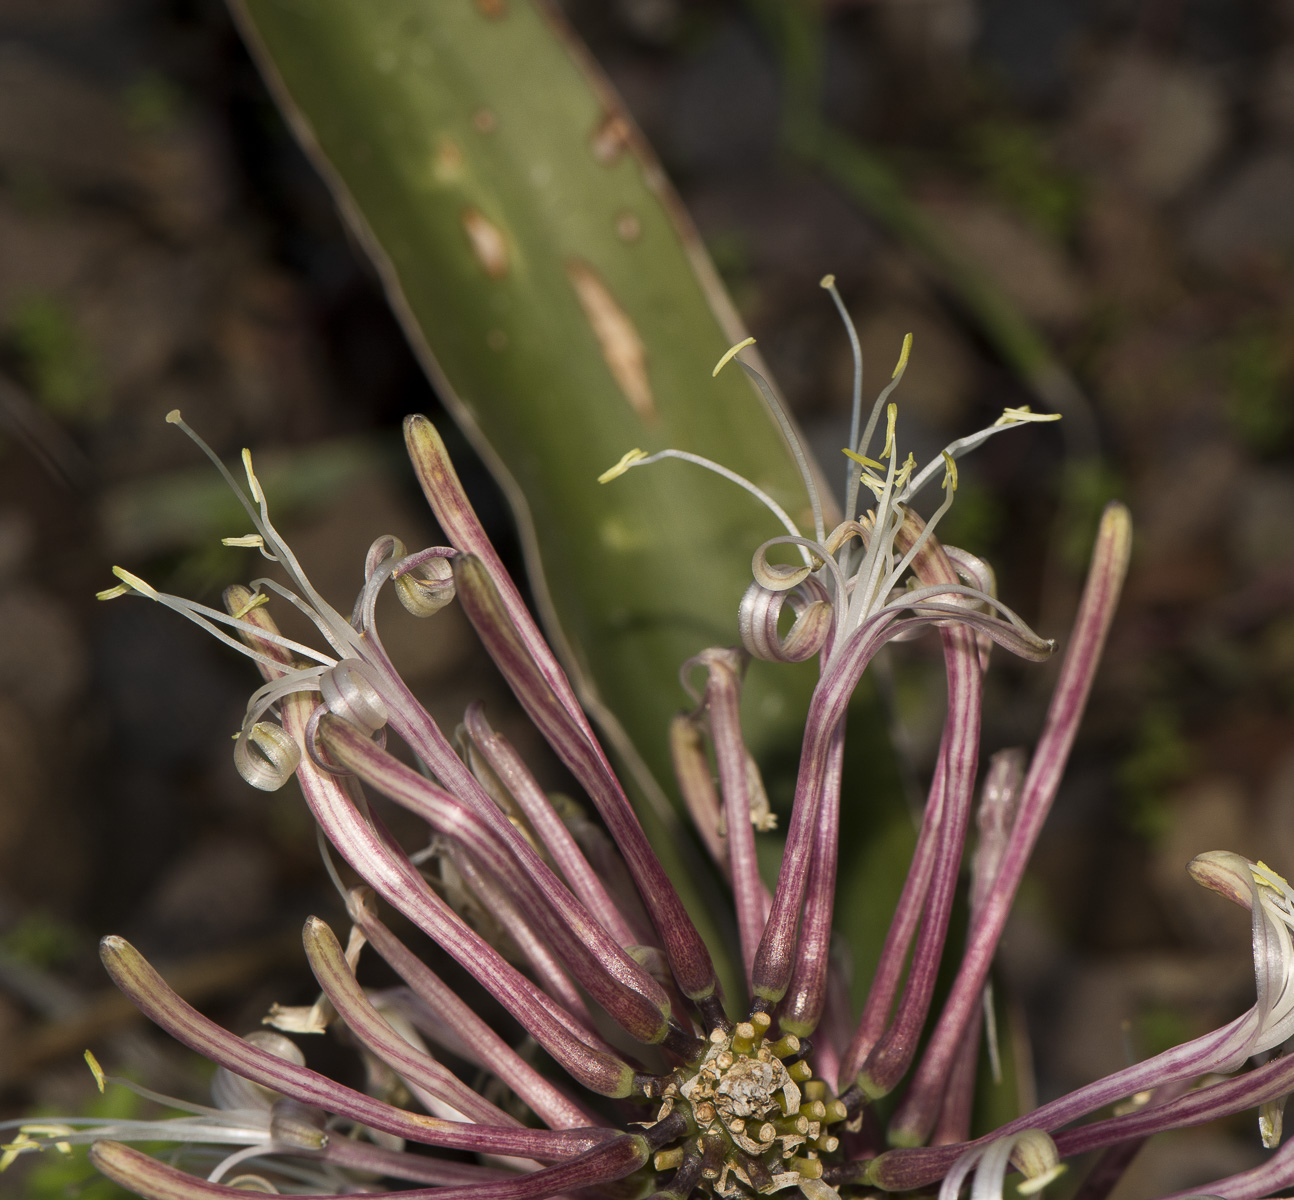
{"x":538,"y":262}
{"x":567,"y":313}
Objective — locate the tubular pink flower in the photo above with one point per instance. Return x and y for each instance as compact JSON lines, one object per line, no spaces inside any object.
{"x":722,"y":700}
{"x":607,"y":976}
{"x":917,"y":1114}
{"x":610,"y":976}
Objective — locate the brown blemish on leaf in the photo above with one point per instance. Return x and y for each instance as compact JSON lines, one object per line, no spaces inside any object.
{"x":493,"y":9}
{"x":487,"y":242}
{"x":610,"y":139}
{"x":497,"y":340}
{"x":447,"y":167}
{"x":628,"y":227}
{"x":484,"y":120}
{"x":617,"y":337}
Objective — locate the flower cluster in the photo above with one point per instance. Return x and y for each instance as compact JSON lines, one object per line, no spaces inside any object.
{"x":669,"y":1088}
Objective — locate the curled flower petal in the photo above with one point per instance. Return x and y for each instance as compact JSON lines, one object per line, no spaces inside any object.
{"x":266,"y":756}
{"x":761,"y":610}
{"x":350,"y":695}
{"x":1031,"y":1152}
{"x":424,"y":587}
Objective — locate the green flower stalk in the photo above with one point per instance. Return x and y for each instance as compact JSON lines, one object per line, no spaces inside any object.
{"x":635,"y":1076}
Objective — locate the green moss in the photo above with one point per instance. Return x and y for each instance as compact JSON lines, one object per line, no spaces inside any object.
{"x":56,"y":360}
{"x":977,"y":517}
{"x":1087,"y":486}
{"x":1260,"y":386}
{"x":1017,"y":165}
{"x":153,"y":104}
{"x":1159,"y":759}
{"x":1160,"y":1028}
{"x":40,"y":940}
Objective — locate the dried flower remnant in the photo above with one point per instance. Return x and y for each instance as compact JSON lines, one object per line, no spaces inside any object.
{"x":669,"y":1090}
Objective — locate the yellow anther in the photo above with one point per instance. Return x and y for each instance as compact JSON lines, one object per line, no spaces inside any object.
{"x":255,"y":601}
{"x":622,"y":466}
{"x":827,"y":282}
{"x":891,"y":419}
{"x":113,"y":593}
{"x":245,"y":541}
{"x":135,"y":583}
{"x":902,"y":364}
{"x":173,"y":417}
{"x":950,"y":471}
{"x":12,"y":1149}
{"x":252,"y":482}
{"x":859,"y":458}
{"x":1013,"y":416}
{"x":904,"y":473}
{"x":95,"y":1070}
{"x":1273,"y":879}
{"x":730,"y":354}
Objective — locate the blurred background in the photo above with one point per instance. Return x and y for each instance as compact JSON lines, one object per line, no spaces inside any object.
{"x":1122,"y":173}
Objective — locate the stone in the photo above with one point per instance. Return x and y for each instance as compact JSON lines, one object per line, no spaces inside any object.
{"x":1247,"y":218}
{"x":59,"y":125}
{"x":1211,"y":814}
{"x":42,"y":656}
{"x":1032,"y":270}
{"x":1153,"y":124}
